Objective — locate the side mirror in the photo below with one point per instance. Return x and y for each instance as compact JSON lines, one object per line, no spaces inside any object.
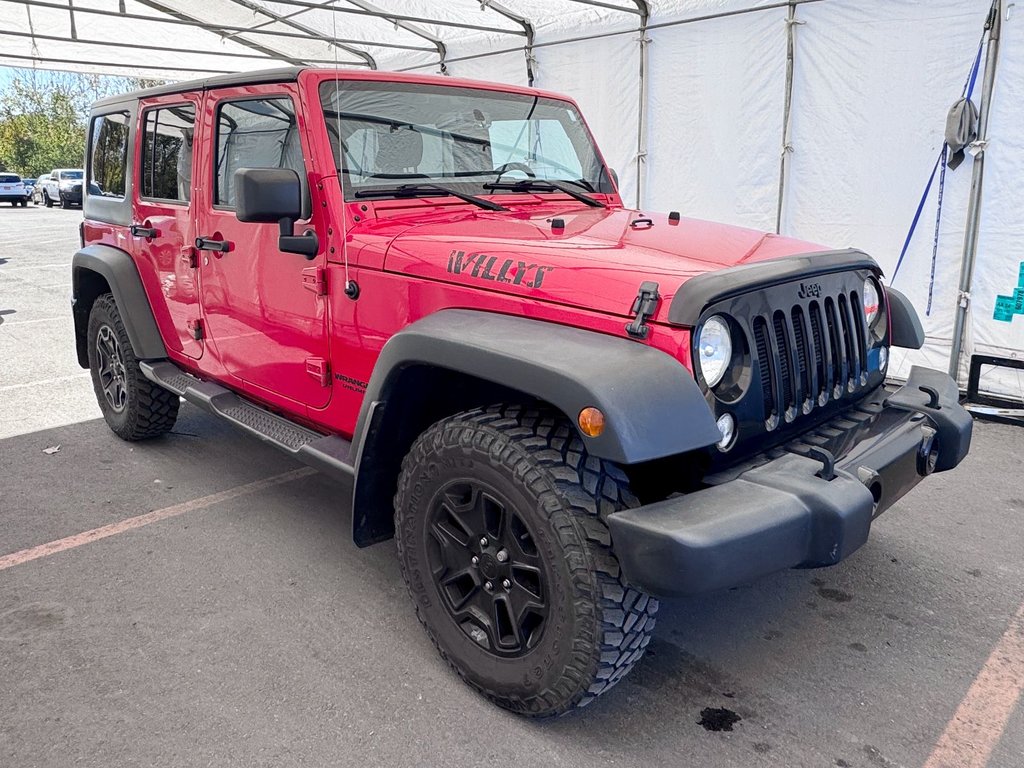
{"x":274,"y":194}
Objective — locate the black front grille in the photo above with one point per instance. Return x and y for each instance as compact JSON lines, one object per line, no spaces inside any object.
{"x":810,"y":354}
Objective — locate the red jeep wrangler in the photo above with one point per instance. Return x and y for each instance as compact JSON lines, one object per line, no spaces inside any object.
{"x":557,"y":405}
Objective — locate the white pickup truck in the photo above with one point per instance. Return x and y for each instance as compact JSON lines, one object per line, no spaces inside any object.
{"x":64,"y":187}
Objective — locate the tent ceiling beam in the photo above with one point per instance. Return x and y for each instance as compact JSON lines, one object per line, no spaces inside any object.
{"x":280,"y":55}
{"x":38,"y":60}
{"x":288,"y":22}
{"x":144,"y":47}
{"x":639,"y":10}
{"x":215,"y":28}
{"x":527,"y":28}
{"x":359,"y":10}
{"x":400,"y":22}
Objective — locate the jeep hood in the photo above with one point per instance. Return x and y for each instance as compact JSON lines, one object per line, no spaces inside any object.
{"x":596,"y":261}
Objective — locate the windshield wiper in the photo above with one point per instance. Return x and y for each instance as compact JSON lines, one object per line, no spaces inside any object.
{"x":415,"y":190}
{"x":526,"y":185}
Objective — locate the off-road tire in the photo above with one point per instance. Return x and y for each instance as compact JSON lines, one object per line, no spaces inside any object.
{"x":599,"y":626}
{"x":149,"y":410}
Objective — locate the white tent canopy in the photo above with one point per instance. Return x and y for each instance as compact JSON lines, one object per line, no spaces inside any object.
{"x":820,"y":118}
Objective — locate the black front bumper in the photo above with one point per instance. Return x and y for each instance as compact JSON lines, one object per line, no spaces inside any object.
{"x":795,"y":510}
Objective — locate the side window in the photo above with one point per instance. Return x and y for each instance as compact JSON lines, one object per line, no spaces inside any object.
{"x":166,"y":168}
{"x":108,"y":155}
{"x":255,"y":133}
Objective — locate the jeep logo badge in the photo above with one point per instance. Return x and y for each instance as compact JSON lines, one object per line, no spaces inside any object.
{"x":810,"y":290}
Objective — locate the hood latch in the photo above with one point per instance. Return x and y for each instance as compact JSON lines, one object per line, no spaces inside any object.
{"x":644,"y":305}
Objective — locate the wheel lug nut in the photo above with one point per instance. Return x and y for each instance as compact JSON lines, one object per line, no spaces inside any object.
{"x":506,"y":583}
{"x":475,"y":560}
{"x":483,"y":542}
{"x":502,"y":556}
{"x":488,"y":586}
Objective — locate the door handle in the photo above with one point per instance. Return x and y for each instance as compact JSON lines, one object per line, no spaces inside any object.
{"x":141,"y":230}
{"x":206,"y":244}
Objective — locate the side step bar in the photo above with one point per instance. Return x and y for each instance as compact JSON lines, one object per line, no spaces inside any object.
{"x":328,"y":453}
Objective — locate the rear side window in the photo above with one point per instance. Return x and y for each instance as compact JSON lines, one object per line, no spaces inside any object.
{"x":166,"y":168}
{"x":108,"y":155}
{"x":255,"y":133}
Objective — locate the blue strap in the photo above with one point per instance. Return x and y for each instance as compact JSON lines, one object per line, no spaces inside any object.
{"x":939,"y":162}
{"x":938,"y":220}
{"x":917,"y":216}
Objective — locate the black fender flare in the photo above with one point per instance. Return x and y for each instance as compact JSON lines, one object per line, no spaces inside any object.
{"x":119,"y":272}
{"x":905,"y":324}
{"x":653,"y":407}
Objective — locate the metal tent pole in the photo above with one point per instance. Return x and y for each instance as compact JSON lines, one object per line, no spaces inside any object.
{"x":787,"y":111}
{"x":641,"y":130}
{"x":970,"y":254}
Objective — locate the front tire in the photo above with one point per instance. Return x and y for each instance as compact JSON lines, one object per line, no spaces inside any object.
{"x":499,"y":520}
{"x":47,"y":200}
{"x":134,"y":407}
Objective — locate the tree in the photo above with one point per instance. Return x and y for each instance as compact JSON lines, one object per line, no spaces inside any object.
{"x":43,"y":117}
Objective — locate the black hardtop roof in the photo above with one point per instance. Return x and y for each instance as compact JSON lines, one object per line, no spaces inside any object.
{"x":279,"y":75}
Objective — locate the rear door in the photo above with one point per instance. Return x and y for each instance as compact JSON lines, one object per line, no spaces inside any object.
{"x":163,"y":218}
{"x":268,"y":327}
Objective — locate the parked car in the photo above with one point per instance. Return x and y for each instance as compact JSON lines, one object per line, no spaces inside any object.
{"x":13,"y":190}
{"x":561,"y":407}
{"x":37,"y":190}
{"x":64,"y":187}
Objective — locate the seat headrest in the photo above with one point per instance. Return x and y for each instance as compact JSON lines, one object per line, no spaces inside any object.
{"x":399,"y":150}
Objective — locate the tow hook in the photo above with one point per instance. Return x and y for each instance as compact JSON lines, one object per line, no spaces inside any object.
{"x":928,"y":453}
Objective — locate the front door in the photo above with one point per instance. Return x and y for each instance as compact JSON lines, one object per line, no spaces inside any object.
{"x":268,"y":328}
{"x":162,"y":223}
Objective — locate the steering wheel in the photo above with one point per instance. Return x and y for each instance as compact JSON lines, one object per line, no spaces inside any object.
{"x":514,"y":166}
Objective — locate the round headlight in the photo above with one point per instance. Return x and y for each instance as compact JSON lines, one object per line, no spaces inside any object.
{"x":714,"y":349}
{"x":872,"y":301}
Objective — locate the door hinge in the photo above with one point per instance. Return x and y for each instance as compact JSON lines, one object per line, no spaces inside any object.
{"x":319,"y":369}
{"x":315,"y":279}
{"x":195,"y":327}
{"x":644,"y":304}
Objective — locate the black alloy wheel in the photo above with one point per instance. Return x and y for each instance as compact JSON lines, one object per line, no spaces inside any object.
{"x":501,"y":537}
{"x":487,"y":568}
{"x":134,"y":407}
{"x":112,"y":374}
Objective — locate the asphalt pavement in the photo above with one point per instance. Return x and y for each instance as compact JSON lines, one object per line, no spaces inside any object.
{"x":243,"y":627}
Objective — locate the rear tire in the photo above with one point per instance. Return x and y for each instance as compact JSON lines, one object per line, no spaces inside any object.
{"x":134,"y":407}
{"x":512,"y":491}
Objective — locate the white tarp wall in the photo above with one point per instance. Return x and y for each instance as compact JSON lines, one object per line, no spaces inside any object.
{"x":873,"y":80}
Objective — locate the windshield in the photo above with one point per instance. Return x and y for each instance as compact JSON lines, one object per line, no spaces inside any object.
{"x":67,"y":175}
{"x":9,"y":178}
{"x":388,"y":134}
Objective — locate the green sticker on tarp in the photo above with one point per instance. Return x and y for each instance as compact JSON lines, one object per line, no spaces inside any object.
{"x":1008,"y":306}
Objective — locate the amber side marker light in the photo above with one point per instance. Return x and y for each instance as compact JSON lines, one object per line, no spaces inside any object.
{"x":591,"y":422}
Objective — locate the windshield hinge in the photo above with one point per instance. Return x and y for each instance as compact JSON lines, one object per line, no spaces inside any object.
{"x":644,"y":304}
{"x":315,"y":279}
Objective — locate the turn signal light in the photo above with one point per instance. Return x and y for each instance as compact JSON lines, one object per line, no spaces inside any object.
{"x":591,"y":422}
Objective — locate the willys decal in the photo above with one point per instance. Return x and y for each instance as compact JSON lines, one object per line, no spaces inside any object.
{"x":484,"y":267}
